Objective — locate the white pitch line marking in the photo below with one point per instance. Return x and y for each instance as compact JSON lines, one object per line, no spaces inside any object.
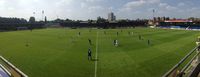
{"x":96,"y":56}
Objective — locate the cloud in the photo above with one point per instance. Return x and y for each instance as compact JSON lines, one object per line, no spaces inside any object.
{"x":90,"y":9}
{"x":138,"y":4}
{"x":171,"y":8}
{"x":92,"y":0}
{"x":165,"y":6}
{"x":62,"y":3}
{"x":83,"y":5}
{"x":134,"y":4}
{"x":181,"y":4}
{"x":96,"y":11}
{"x":2,"y":2}
{"x":153,"y":1}
{"x":95,"y":8}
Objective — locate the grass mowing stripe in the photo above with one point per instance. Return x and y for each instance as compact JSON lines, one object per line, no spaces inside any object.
{"x":52,"y":49}
{"x":96,"y":56}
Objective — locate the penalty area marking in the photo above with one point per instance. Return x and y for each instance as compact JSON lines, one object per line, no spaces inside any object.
{"x":96,"y":55}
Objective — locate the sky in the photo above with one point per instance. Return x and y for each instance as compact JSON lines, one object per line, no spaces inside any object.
{"x":91,"y":9}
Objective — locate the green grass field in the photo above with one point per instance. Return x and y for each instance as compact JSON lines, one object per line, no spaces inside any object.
{"x":62,"y":53}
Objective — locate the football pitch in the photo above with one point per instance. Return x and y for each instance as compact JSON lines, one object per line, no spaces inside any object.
{"x":62,"y":52}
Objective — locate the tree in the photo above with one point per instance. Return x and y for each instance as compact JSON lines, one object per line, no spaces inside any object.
{"x":101,"y":20}
{"x":45,"y":19}
{"x":32,"y":20}
{"x":68,"y":20}
{"x":167,"y":18}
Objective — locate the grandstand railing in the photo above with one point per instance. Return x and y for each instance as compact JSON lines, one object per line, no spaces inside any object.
{"x":11,"y":69}
{"x":177,"y":71}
